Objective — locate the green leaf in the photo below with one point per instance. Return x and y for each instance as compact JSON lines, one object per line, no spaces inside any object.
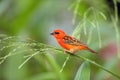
{"x":83,"y":72}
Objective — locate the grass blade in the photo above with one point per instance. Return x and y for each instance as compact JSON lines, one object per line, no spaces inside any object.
{"x":83,"y":72}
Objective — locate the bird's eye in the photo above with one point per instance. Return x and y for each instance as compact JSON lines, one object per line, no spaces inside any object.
{"x":57,"y":33}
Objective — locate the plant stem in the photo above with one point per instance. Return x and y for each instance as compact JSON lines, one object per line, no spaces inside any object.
{"x":96,"y":64}
{"x":80,"y":57}
{"x":115,"y":23}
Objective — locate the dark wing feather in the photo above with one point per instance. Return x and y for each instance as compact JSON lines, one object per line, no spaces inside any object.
{"x":72,"y":41}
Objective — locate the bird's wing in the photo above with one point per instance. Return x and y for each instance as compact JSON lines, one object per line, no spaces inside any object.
{"x":72,"y":41}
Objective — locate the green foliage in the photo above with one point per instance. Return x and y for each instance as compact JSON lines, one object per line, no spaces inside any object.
{"x":83,"y":72}
{"x":28,"y":55}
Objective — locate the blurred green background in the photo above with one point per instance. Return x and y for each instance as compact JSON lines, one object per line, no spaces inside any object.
{"x":35,"y":19}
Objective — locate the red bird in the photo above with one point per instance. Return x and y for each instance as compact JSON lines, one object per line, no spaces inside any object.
{"x":69,"y":43}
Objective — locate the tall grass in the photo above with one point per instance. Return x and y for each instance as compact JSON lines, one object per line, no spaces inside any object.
{"x":43,"y":48}
{"x":36,"y":48}
{"x":115,"y":23}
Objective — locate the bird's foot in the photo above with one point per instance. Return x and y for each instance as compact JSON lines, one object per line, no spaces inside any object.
{"x":70,"y":52}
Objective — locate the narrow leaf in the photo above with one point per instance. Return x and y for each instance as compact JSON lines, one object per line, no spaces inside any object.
{"x":83,"y":72}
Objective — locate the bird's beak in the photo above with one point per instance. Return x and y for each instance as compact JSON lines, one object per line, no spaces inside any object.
{"x":51,"y":33}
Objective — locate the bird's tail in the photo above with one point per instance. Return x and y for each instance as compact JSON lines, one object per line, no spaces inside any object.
{"x":92,"y":51}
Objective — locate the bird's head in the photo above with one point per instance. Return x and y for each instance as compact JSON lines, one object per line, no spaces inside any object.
{"x":58,"y":34}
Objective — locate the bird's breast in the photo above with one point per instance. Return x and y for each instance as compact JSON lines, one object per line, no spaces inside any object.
{"x":62,"y":44}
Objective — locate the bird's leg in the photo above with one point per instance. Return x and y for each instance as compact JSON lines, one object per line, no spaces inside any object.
{"x":65,"y":51}
{"x":70,"y":51}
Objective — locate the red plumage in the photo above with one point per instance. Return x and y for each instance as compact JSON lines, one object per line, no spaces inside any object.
{"x":69,"y":43}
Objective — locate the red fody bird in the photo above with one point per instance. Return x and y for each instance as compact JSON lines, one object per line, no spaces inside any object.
{"x":70,"y":44}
